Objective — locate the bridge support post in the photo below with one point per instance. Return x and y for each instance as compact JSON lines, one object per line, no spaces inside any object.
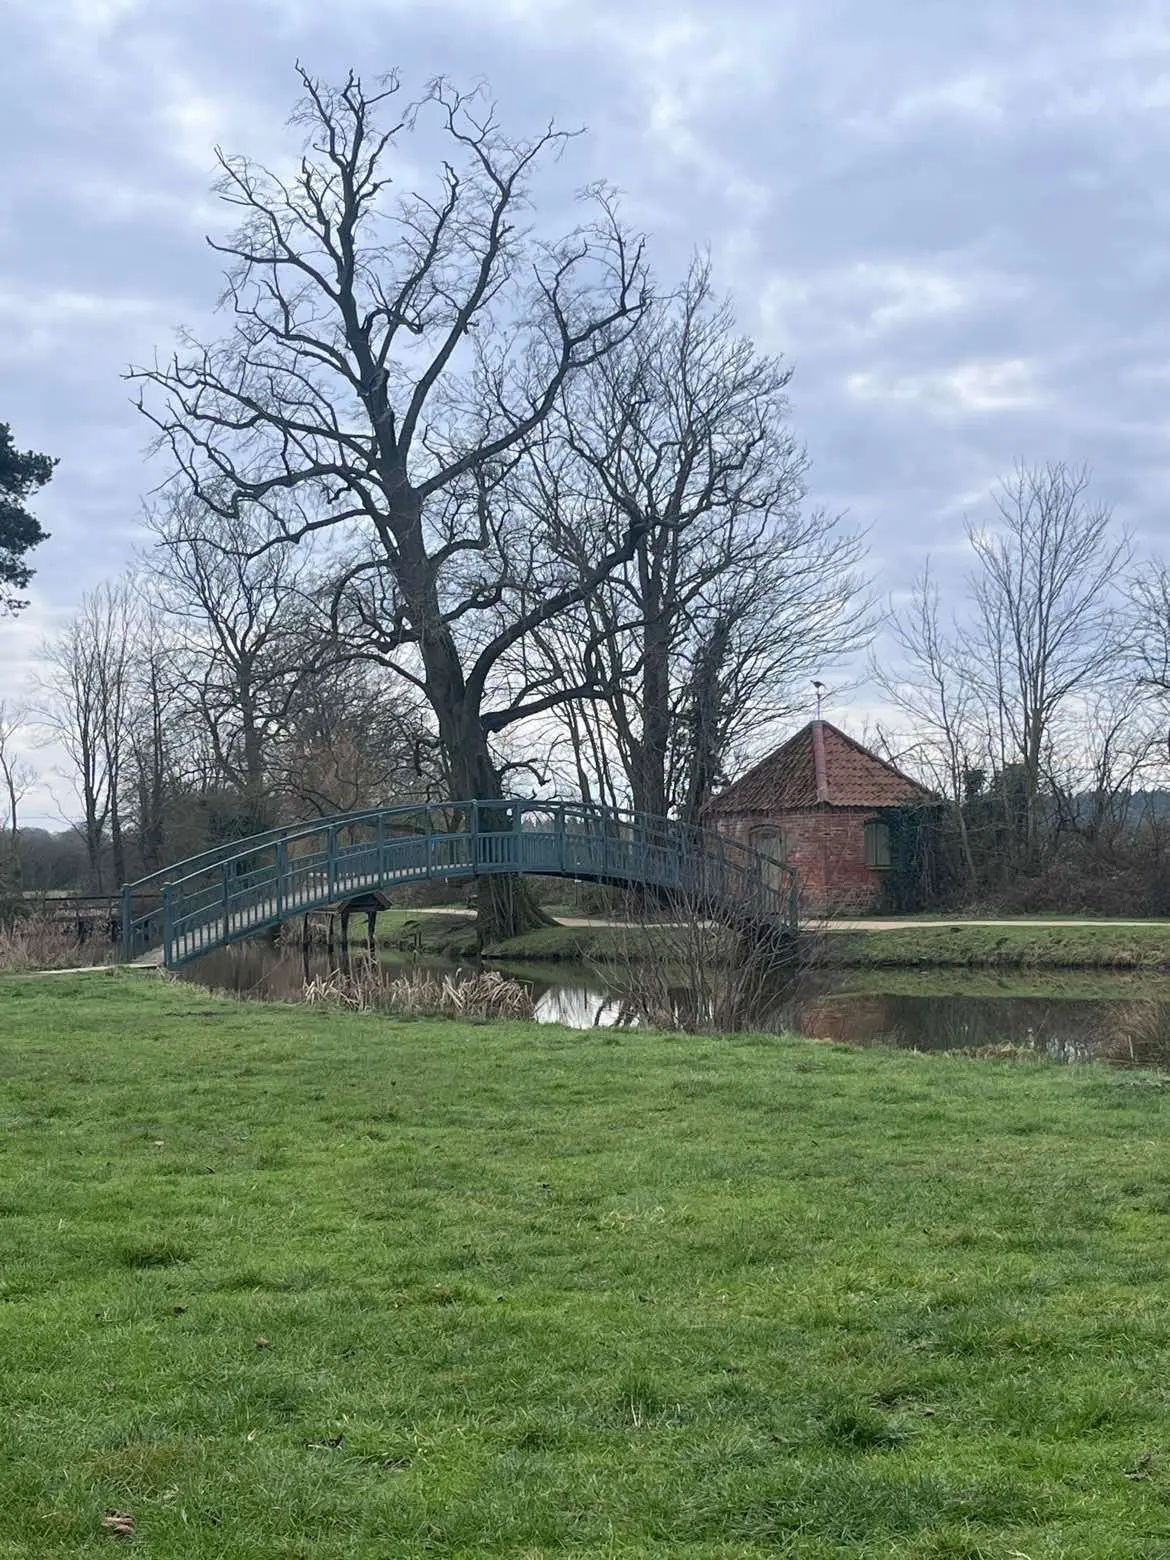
{"x":372,"y":932}
{"x":126,"y":951}
{"x":345,"y":934}
{"x":168,"y":929}
{"x":281,"y":874}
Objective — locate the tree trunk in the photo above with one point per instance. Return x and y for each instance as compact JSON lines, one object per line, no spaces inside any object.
{"x":118,"y":854}
{"x":504,"y":904}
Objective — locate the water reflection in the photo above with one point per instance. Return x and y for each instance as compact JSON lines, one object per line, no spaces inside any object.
{"x":1073,"y":1019}
{"x":1127,"y":1030}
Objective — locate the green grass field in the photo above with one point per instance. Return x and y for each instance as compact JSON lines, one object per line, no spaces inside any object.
{"x":1010,"y":945}
{"x":281,"y":1283}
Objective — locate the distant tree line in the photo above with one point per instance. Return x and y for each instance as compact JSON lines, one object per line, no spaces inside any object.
{"x":1038,"y":710}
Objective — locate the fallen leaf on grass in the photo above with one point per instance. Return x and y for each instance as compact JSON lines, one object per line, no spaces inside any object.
{"x":263,"y":1343}
{"x":119,"y":1524}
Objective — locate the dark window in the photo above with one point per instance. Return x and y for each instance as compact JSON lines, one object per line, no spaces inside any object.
{"x":877,"y":844}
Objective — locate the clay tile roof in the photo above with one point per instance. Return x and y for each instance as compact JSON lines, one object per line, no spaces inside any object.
{"x":820,"y":766}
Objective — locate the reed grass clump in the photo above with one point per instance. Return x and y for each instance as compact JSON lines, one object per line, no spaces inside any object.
{"x":366,"y":987}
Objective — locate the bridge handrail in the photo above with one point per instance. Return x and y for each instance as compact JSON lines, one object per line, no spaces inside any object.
{"x":225,"y":855}
{"x":231,"y":849}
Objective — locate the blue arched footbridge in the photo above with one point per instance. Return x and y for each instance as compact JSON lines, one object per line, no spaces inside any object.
{"x":251,"y":885}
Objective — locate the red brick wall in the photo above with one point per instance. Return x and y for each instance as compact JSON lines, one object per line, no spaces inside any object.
{"x":827,"y":848}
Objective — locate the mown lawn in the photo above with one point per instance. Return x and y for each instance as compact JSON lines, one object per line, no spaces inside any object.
{"x":281,"y":1283}
{"x":1008,"y":944}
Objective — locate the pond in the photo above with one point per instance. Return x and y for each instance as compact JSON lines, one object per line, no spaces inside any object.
{"x":1065,"y":1017}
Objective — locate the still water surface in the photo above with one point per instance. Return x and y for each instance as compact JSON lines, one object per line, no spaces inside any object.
{"x":1065,"y":1017}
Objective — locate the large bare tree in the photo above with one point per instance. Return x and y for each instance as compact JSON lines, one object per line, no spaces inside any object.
{"x":391,"y":350}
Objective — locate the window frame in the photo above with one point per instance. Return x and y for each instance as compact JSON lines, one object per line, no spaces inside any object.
{"x":876,"y":843}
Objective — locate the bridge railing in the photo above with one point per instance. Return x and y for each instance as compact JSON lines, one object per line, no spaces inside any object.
{"x":232,"y":892}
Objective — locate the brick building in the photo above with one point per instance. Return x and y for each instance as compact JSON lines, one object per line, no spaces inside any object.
{"x":821,"y":803}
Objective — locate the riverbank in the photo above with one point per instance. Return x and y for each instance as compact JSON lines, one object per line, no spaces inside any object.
{"x":905,"y":944}
{"x":286,"y":1281}
{"x":1007,"y":945}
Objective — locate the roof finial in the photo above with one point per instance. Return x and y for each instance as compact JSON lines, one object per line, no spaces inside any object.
{"x":820,"y":687}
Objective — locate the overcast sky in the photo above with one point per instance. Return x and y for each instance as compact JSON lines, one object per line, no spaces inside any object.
{"x":953,"y":220}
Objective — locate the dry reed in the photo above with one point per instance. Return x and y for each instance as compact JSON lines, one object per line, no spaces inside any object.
{"x":42,"y":944}
{"x":366,"y":987}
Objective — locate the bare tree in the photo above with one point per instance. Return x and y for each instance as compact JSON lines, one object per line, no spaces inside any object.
{"x":154,"y":735}
{"x":16,"y":778}
{"x":1019,"y":708}
{"x":1048,"y":618}
{"x":1150,"y":596}
{"x":241,"y":639}
{"x":389,"y":356}
{"x":929,"y":684}
{"x":1111,"y":748}
{"x":356,"y":738}
{"x":86,"y":690}
{"x":732,"y":595}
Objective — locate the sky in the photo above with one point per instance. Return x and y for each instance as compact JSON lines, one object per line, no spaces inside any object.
{"x":952,"y":220}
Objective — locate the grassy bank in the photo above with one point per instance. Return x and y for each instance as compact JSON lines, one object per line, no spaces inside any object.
{"x":925,"y":944}
{"x":280,"y":1282}
{"x":443,"y":935}
{"x":1007,"y":945}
